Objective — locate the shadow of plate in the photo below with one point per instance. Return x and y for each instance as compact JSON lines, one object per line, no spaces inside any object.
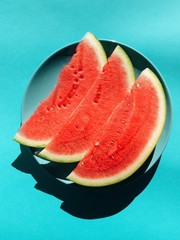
{"x":84,"y":202}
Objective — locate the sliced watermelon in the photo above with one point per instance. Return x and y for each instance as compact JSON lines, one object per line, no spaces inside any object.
{"x":74,"y":81}
{"x":77,"y":137}
{"x":129,"y":137}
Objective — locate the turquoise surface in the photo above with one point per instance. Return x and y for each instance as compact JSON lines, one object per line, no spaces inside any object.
{"x":32,"y":204}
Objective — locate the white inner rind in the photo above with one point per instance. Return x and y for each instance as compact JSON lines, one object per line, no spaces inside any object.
{"x":127,"y":64}
{"x":63,"y":158}
{"x":30,"y":142}
{"x":98,"y":49}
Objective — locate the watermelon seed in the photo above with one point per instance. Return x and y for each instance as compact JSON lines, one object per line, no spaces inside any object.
{"x":76,"y":126}
{"x":81,"y":76}
{"x":80,"y":69}
{"x":137,"y":85}
{"x":96,"y":144}
{"x":75,"y":86}
{"x":122,"y":121}
{"x":50,"y":108}
{"x":75,"y":72}
{"x":111,"y":156}
{"x":70,"y":95}
{"x":64,"y":104}
{"x":98,"y":93}
{"x":72,"y":66}
{"x":111,"y":143}
{"x":59,"y":105}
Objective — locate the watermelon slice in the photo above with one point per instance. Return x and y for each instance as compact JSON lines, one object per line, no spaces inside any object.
{"x":77,"y":137}
{"x":73,"y":83}
{"x":128,"y":138}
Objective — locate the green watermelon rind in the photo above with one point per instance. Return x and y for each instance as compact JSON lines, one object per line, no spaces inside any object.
{"x":75,"y":157}
{"x":105,"y":181}
{"x":102,"y":59}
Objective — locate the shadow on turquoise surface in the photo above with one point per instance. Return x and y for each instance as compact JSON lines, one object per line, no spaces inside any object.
{"x":80,"y":201}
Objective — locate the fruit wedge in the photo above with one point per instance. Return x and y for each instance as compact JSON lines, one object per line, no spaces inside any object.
{"x":74,"y":81}
{"x":129,"y":136}
{"x":77,"y":137}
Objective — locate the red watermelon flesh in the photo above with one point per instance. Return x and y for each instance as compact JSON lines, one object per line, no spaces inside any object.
{"x":79,"y":134}
{"x":128,"y":138}
{"x":73,"y":83}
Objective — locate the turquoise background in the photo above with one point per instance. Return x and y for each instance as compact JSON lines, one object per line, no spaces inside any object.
{"x":29,"y":32}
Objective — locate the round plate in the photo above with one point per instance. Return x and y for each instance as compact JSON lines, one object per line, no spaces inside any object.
{"x":45,"y":78}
